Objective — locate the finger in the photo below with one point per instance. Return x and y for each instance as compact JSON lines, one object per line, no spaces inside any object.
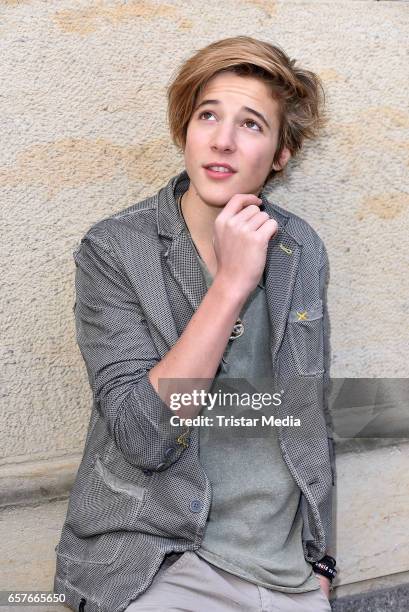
{"x":248,"y":212}
{"x":257,"y":220}
{"x":238,"y":202}
{"x":268,"y":229}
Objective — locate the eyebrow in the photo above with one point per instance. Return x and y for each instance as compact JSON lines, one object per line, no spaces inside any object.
{"x":246,"y":108}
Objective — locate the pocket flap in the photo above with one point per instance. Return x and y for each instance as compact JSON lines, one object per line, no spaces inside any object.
{"x":299,"y":315}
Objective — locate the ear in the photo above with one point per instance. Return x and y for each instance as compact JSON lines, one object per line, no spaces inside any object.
{"x":284,"y":157}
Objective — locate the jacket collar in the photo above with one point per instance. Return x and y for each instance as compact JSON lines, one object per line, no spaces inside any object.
{"x":283,"y":255}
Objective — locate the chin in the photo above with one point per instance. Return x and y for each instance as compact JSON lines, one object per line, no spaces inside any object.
{"x":214,"y":200}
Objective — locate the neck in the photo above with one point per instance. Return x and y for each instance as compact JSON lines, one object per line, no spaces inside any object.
{"x":199,"y":216}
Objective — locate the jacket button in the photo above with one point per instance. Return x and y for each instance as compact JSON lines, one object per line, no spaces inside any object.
{"x":196,"y":505}
{"x":158,"y":467}
{"x":169,"y":450}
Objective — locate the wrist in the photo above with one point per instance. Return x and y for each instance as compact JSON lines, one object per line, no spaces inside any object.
{"x":321,"y":577}
{"x":229,"y":292}
{"x":325,"y":567}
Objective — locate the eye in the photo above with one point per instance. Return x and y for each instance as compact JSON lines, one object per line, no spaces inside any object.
{"x":255,"y":123}
{"x":205,"y":113}
{"x":247,"y":120}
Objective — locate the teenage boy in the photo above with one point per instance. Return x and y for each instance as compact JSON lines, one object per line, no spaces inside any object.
{"x":204,"y":281}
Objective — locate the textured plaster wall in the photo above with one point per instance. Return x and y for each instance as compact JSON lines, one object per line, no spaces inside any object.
{"x":84,"y":134}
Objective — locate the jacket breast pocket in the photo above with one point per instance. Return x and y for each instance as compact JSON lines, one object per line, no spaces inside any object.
{"x":103,"y":502}
{"x":306,"y":338}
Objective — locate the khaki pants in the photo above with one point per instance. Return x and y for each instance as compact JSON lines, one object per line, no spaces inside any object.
{"x":191,"y":584}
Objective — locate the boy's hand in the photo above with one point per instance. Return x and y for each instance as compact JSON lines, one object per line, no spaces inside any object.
{"x":325,"y":584}
{"x":241,"y":235}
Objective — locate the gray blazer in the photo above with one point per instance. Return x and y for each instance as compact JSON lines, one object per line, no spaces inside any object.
{"x":140,"y":491}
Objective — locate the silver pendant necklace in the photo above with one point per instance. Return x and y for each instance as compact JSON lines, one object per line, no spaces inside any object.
{"x":238,"y":329}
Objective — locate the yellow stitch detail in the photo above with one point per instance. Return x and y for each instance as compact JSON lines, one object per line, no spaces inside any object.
{"x":285,"y":249}
{"x":302,"y":316}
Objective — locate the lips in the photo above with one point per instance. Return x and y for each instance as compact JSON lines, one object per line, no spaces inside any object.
{"x":227,"y":166}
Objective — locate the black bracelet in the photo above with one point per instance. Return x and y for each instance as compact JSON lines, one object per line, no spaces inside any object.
{"x":326,"y":567}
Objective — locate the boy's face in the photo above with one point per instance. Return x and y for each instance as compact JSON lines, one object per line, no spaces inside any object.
{"x":225,"y":132}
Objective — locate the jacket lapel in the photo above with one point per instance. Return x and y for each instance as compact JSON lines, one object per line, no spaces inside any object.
{"x":283,"y":256}
{"x":183,"y":265}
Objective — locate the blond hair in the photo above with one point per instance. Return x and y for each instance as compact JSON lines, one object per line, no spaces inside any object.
{"x":299,"y":93}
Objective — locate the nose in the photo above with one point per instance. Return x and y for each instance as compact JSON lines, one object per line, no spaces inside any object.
{"x":223,"y":137}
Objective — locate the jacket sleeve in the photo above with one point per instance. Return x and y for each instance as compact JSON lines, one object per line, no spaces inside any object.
{"x":118,"y":350}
